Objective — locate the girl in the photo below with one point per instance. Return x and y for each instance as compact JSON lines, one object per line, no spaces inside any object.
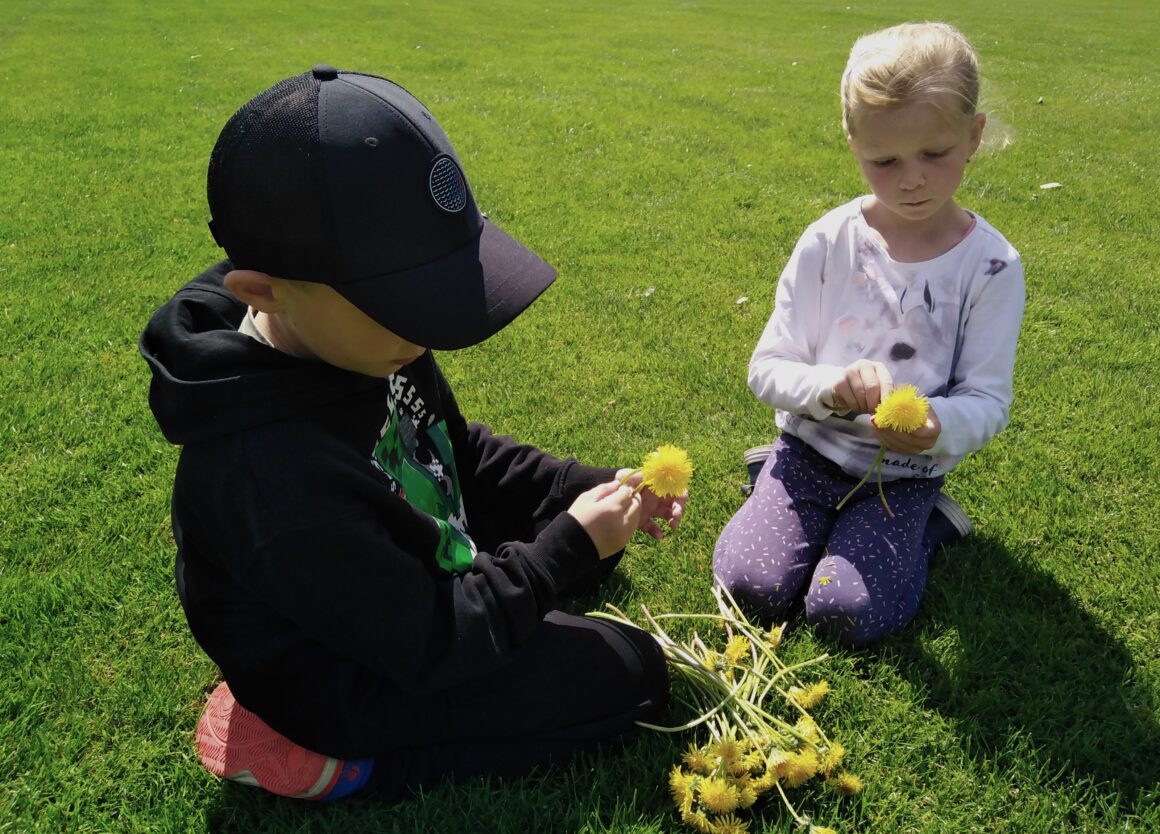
{"x":901,"y":286}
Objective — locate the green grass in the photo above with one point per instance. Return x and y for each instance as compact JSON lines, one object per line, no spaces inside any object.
{"x":680,"y":147}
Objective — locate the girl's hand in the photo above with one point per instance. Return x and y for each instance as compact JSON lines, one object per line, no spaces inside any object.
{"x":609,"y":514}
{"x":862,"y":386}
{"x":911,"y":443}
{"x":667,"y":510}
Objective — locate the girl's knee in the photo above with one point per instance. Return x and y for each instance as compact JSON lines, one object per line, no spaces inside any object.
{"x":853,"y":621}
{"x":757,"y":594}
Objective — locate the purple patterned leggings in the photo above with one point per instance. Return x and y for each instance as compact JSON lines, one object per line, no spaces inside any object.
{"x":861,"y":572}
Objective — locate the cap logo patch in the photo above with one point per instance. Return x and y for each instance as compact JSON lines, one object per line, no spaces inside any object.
{"x":448,"y":188}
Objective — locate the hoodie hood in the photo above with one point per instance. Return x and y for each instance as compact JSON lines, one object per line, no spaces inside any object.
{"x":210,"y":380}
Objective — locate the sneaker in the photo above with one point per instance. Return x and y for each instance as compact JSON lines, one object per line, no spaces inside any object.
{"x":755,"y":459}
{"x":947,"y":523}
{"x":235,"y":744}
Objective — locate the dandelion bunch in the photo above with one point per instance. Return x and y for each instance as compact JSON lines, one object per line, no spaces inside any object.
{"x":761,"y":739}
{"x":666,"y":471}
{"x":905,"y":410}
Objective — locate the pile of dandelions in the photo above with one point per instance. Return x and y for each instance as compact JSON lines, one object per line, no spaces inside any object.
{"x":755,"y":711}
{"x":762,"y":739}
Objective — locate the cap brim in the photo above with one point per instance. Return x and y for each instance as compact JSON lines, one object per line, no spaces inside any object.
{"x":459,"y":300}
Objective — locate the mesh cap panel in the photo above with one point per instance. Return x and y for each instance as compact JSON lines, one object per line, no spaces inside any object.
{"x":279,"y":127}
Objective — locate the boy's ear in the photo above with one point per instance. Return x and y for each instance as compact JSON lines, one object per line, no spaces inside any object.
{"x":254,"y":288}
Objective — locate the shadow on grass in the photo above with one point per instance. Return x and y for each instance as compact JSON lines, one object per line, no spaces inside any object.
{"x":1004,"y":651}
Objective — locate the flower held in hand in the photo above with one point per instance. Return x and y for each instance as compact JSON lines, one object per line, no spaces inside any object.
{"x":905,"y":410}
{"x":667,"y":471}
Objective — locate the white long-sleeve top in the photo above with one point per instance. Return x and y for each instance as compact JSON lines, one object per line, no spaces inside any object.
{"x":948,"y":326}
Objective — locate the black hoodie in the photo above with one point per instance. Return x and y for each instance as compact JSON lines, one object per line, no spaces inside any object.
{"x":346,"y":544}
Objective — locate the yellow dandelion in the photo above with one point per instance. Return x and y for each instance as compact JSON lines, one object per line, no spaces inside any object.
{"x":667,"y":471}
{"x":730,"y":825}
{"x":697,"y":760}
{"x":736,"y":649}
{"x":681,"y":785}
{"x":753,"y":762}
{"x":746,"y":792}
{"x":848,"y":784}
{"x":775,"y":634}
{"x":715,"y":662}
{"x":776,"y":757}
{"x":902,"y":410}
{"x":810,"y":696}
{"x":766,"y":781}
{"x":727,"y":750}
{"x":697,"y":820}
{"x":717,"y":795}
{"x":832,"y":758}
{"x":799,"y":767}
{"x":807,"y":728}
{"x":739,"y":768}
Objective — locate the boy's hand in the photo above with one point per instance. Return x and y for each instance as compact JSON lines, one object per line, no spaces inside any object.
{"x":862,"y":386}
{"x":911,"y":443}
{"x":667,"y":510}
{"x":609,"y":514}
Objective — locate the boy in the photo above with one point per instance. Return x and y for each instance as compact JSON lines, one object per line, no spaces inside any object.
{"x":376,"y":578}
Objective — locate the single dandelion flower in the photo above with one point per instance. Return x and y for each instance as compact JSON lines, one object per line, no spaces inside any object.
{"x":717,"y":795}
{"x":776,"y":755}
{"x":848,"y":784}
{"x":727,"y":750}
{"x":730,"y":825}
{"x":753,"y":762}
{"x":714,"y":662}
{"x":902,"y":410}
{"x":697,"y":760}
{"x":736,"y":649}
{"x":746,"y":792}
{"x":667,"y":471}
{"x":799,"y":768}
{"x":810,"y":696}
{"x":775,"y":635}
{"x":738,"y":769}
{"x":832,"y":758}
{"x":681,"y":785}
{"x":766,"y":781}
{"x":697,"y":820}
{"x":807,"y":728}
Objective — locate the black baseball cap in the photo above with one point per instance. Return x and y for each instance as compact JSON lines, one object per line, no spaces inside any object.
{"x":346,"y":179}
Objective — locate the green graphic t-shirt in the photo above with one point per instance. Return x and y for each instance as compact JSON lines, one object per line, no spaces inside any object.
{"x":415,"y":452}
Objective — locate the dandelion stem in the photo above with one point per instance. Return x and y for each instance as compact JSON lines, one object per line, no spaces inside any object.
{"x":882,"y":494}
{"x":876,"y":466}
{"x":624,"y":480}
{"x":798,"y":818}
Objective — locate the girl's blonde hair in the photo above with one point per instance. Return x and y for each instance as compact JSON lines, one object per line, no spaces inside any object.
{"x":907,"y":63}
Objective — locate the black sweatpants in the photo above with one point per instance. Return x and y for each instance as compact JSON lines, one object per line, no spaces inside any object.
{"x":580,"y":681}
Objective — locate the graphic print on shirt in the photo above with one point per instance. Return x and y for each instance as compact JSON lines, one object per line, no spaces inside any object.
{"x":899,"y":320}
{"x":420,"y":463}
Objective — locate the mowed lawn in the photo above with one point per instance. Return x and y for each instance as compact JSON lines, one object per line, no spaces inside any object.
{"x":665,"y":157}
